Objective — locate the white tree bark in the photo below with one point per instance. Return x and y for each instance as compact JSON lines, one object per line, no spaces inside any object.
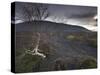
{"x":36,"y":50}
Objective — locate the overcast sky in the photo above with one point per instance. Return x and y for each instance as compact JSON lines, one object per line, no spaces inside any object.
{"x":68,"y":14}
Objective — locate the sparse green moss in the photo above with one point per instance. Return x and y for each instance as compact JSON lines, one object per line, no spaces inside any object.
{"x":29,"y":62}
{"x":93,"y":42}
{"x":70,"y":37}
{"x":26,"y":63}
{"x":74,"y":37}
{"x":88,"y":63}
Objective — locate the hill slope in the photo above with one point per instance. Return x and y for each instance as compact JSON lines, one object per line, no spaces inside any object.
{"x":46,"y":26}
{"x":59,"y":42}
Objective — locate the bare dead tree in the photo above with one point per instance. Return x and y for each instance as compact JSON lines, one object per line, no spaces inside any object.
{"x":33,"y":12}
{"x":28,"y":12}
{"x":36,"y":49}
{"x":41,"y":12}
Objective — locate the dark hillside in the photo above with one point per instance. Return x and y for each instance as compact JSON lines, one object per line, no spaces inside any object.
{"x":46,"y":26}
{"x":63,"y":45}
